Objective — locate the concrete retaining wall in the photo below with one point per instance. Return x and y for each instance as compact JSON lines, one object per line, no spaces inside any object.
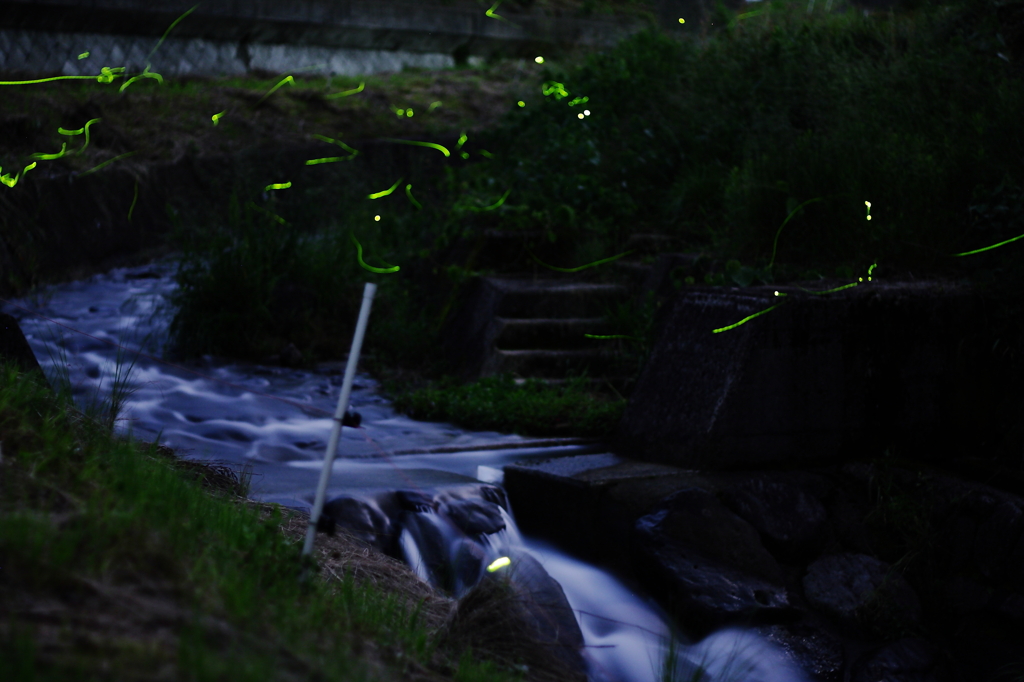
{"x":222,"y":37}
{"x":903,"y":366}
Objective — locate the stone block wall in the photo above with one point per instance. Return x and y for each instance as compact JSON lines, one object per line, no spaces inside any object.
{"x":221,"y":37}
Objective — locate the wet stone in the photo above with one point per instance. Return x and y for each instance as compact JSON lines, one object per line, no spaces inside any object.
{"x":856,"y":588}
{"x":907,"y":660}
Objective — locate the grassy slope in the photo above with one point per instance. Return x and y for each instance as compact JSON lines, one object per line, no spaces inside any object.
{"x":114,"y":565}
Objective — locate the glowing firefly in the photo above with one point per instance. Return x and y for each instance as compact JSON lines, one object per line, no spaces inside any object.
{"x":171,"y":28}
{"x":968,"y":253}
{"x":84,"y":55}
{"x":50,"y":157}
{"x":498,"y":563}
{"x":539,"y":60}
{"x":359,"y":257}
{"x":146,"y":73}
{"x":408,"y":193}
{"x":216,"y":117}
{"x":421,"y":144}
{"x":286,"y":79}
{"x":490,"y":13}
{"x":278,"y":185}
{"x":134,"y":199}
{"x":107,"y":163}
{"x":378,"y":195}
{"x":433,"y":105}
{"x":341,"y":144}
{"x":582,"y":267}
{"x":746,"y":319}
{"x":83,"y":129}
{"x":347,"y":92}
{"x":868,"y":204}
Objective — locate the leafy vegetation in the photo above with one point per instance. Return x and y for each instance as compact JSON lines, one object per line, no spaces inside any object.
{"x":501,"y":404}
{"x":718,"y":141}
{"x":145,"y":573}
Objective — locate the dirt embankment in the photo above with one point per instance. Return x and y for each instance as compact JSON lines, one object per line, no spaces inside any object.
{"x":113,"y":170}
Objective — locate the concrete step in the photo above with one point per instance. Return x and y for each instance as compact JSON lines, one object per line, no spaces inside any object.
{"x":549,"y":333}
{"x":547,"y":363}
{"x":529,"y":298}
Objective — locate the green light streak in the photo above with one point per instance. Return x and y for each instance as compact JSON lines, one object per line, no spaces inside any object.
{"x":286,"y":79}
{"x":328,"y":159}
{"x":420,"y":144}
{"x":745,"y":319}
{"x":146,"y":73}
{"x":359,"y":256}
{"x":50,"y":157}
{"x":107,"y":75}
{"x":498,"y":563}
{"x":498,"y":203}
{"x":273,"y":215}
{"x":484,"y":152}
{"x":579,"y":100}
{"x":341,"y":144}
{"x":610,"y":336}
{"x":347,"y":93}
{"x":829,"y":291}
{"x":433,"y":105}
{"x":462,"y":140}
{"x":582,"y":267}
{"x":134,"y":199}
{"x":744,"y":15}
{"x":84,"y":55}
{"x":987,"y":248}
{"x":11,"y":182}
{"x":408,"y":193}
{"x":378,"y":195}
{"x":107,"y":163}
{"x":788,"y":218}
{"x":83,"y":129}
{"x":216,"y":117}
{"x":490,"y":13}
{"x":553,"y":88}
{"x":169,"y":29}
{"x":278,"y":185}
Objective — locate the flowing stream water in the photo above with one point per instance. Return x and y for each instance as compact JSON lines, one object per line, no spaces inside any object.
{"x":275,"y":422}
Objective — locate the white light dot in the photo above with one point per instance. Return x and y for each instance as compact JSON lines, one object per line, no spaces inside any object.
{"x":539,"y":60}
{"x":580,"y":115}
{"x":586,"y":112}
{"x":376,"y":217}
{"x":869,"y":217}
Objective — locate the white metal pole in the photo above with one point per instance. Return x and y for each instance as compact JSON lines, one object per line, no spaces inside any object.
{"x":339,"y":414}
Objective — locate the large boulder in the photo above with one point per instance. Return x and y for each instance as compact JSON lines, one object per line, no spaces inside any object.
{"x":906,"y":660}
{"x":858,"y":590}
{"x":880,"y":365}
{"x":791,"y":520}
{"x":709,"y":563}
{"x":521,"y":615}
{"x":14,"y":348}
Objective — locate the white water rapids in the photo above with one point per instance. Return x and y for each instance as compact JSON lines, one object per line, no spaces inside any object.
{"x":228,"y":412}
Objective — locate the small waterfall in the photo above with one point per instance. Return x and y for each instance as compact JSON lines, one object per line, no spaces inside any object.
{"x":412,"y":555}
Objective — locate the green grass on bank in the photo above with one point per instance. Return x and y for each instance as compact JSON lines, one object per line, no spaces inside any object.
{"x":115,"y":566}
{"x":532,"y":408}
